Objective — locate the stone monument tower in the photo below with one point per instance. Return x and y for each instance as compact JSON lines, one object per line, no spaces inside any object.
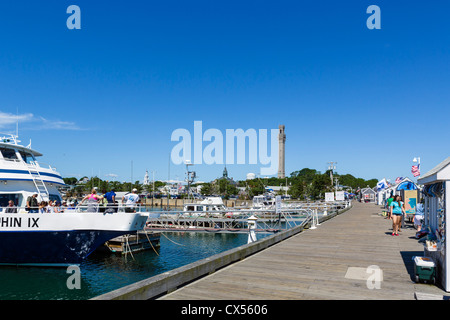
{"x":281,"y":144}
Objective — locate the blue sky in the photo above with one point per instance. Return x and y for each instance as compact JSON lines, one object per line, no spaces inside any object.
{"x":96,"y":99}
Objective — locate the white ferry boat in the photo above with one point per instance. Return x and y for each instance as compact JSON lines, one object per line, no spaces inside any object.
{"x":34,"y":238}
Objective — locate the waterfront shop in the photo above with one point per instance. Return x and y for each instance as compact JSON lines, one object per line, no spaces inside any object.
{"x":436,"y":194}
{"x":384,"y":194}
{"x":368,"y":195}
{"x":407,"y":189}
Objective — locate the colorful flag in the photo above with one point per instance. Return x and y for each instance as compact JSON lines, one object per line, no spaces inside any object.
{"x":398,"y":180}
{"x":382,"y":184}
{"x":415,"y":171}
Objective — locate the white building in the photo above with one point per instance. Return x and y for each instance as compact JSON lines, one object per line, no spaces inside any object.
{"x":146,"y":179}
{"x":368,"y":195}
{"x":436,"y":193}
{"x":172,"y":189}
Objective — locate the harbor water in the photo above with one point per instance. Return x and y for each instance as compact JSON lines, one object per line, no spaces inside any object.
{"x":104,"y":272}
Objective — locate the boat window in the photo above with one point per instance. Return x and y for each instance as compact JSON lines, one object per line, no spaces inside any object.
{"x":27,"y":157}
{"x":54,"y":197}
{"x":199,"y":208}
{"x":4,"y":199}
{"x":190,"y":208}
{"x":8,"y":153}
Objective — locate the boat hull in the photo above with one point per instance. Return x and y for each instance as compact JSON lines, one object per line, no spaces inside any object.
{"x":51,"y":247}
{"x":46,"y":239}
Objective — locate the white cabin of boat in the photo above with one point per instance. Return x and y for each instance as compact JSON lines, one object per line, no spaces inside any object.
{"x":208,"y":204}
{"x":263,"y":201}
{"x":22,"y":175}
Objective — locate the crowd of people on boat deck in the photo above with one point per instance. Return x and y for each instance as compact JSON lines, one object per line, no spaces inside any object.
{"x":94,"y":203}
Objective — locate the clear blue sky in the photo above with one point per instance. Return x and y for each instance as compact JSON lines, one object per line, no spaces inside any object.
{"x":95,"y":99}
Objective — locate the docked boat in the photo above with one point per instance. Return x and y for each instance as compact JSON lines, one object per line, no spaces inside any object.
{"x":263,"y":202}
{"x":209,"y":204}
{"x":210,"y":207}
{"x":31,"y":237}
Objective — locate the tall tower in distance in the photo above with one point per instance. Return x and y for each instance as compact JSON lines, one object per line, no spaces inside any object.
{"x":281,"y":145}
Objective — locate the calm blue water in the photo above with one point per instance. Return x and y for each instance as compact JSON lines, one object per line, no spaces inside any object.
{"x":104,"y":272}
{"x":101,"y":273}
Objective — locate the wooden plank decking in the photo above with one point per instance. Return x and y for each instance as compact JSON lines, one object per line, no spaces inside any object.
{"x":326,"y":263}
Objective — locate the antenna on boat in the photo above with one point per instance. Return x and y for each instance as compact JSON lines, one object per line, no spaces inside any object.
{"x":17,"y":122}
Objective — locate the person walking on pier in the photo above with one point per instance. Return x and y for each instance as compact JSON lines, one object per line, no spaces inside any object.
{"x":418,"y":217}
{"x":388,"y":206}
{"x":396,"y":212}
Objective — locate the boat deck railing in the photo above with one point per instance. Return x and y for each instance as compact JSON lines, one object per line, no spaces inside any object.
{"x":91,"y":208}
{"x":9,"y":138}
{"x":32,"y":164}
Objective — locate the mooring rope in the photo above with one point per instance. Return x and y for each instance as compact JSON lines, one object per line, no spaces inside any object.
{"x":172,"y":240}
{"x":151,"y":243}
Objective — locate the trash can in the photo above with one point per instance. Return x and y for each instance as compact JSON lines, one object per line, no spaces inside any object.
{"x":424,"y":269}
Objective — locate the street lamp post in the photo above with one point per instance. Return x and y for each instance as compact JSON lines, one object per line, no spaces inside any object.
{"x":332,"y":167}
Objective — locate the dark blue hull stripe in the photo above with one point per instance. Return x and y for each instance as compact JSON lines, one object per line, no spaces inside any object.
{"x":26,"y":172}
{"x":51,"y":247}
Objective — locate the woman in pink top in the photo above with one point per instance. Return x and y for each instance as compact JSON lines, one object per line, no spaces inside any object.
{"x":92,"y":200}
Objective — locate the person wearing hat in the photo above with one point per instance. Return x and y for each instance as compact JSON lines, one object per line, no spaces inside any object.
{"x":71,"y":206}
{"x":131,"y":200}
{"x":32,"y":203}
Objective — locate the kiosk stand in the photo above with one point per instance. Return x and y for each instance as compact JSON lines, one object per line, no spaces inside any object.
{"x":436,"y":193}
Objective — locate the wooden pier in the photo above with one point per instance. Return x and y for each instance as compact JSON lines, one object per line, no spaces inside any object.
{"x":329,"y":262}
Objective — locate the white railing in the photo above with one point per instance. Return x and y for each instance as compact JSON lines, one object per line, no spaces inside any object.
{"x":9,"y":138}
{"x":44,"y":166}
{"x":97,"y":208}
{"x":34,"y":164}
{"x":230,"y":220}
{"x":233,"y":220}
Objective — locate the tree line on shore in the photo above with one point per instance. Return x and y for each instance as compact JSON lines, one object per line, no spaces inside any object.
{"x":303,"y":185}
